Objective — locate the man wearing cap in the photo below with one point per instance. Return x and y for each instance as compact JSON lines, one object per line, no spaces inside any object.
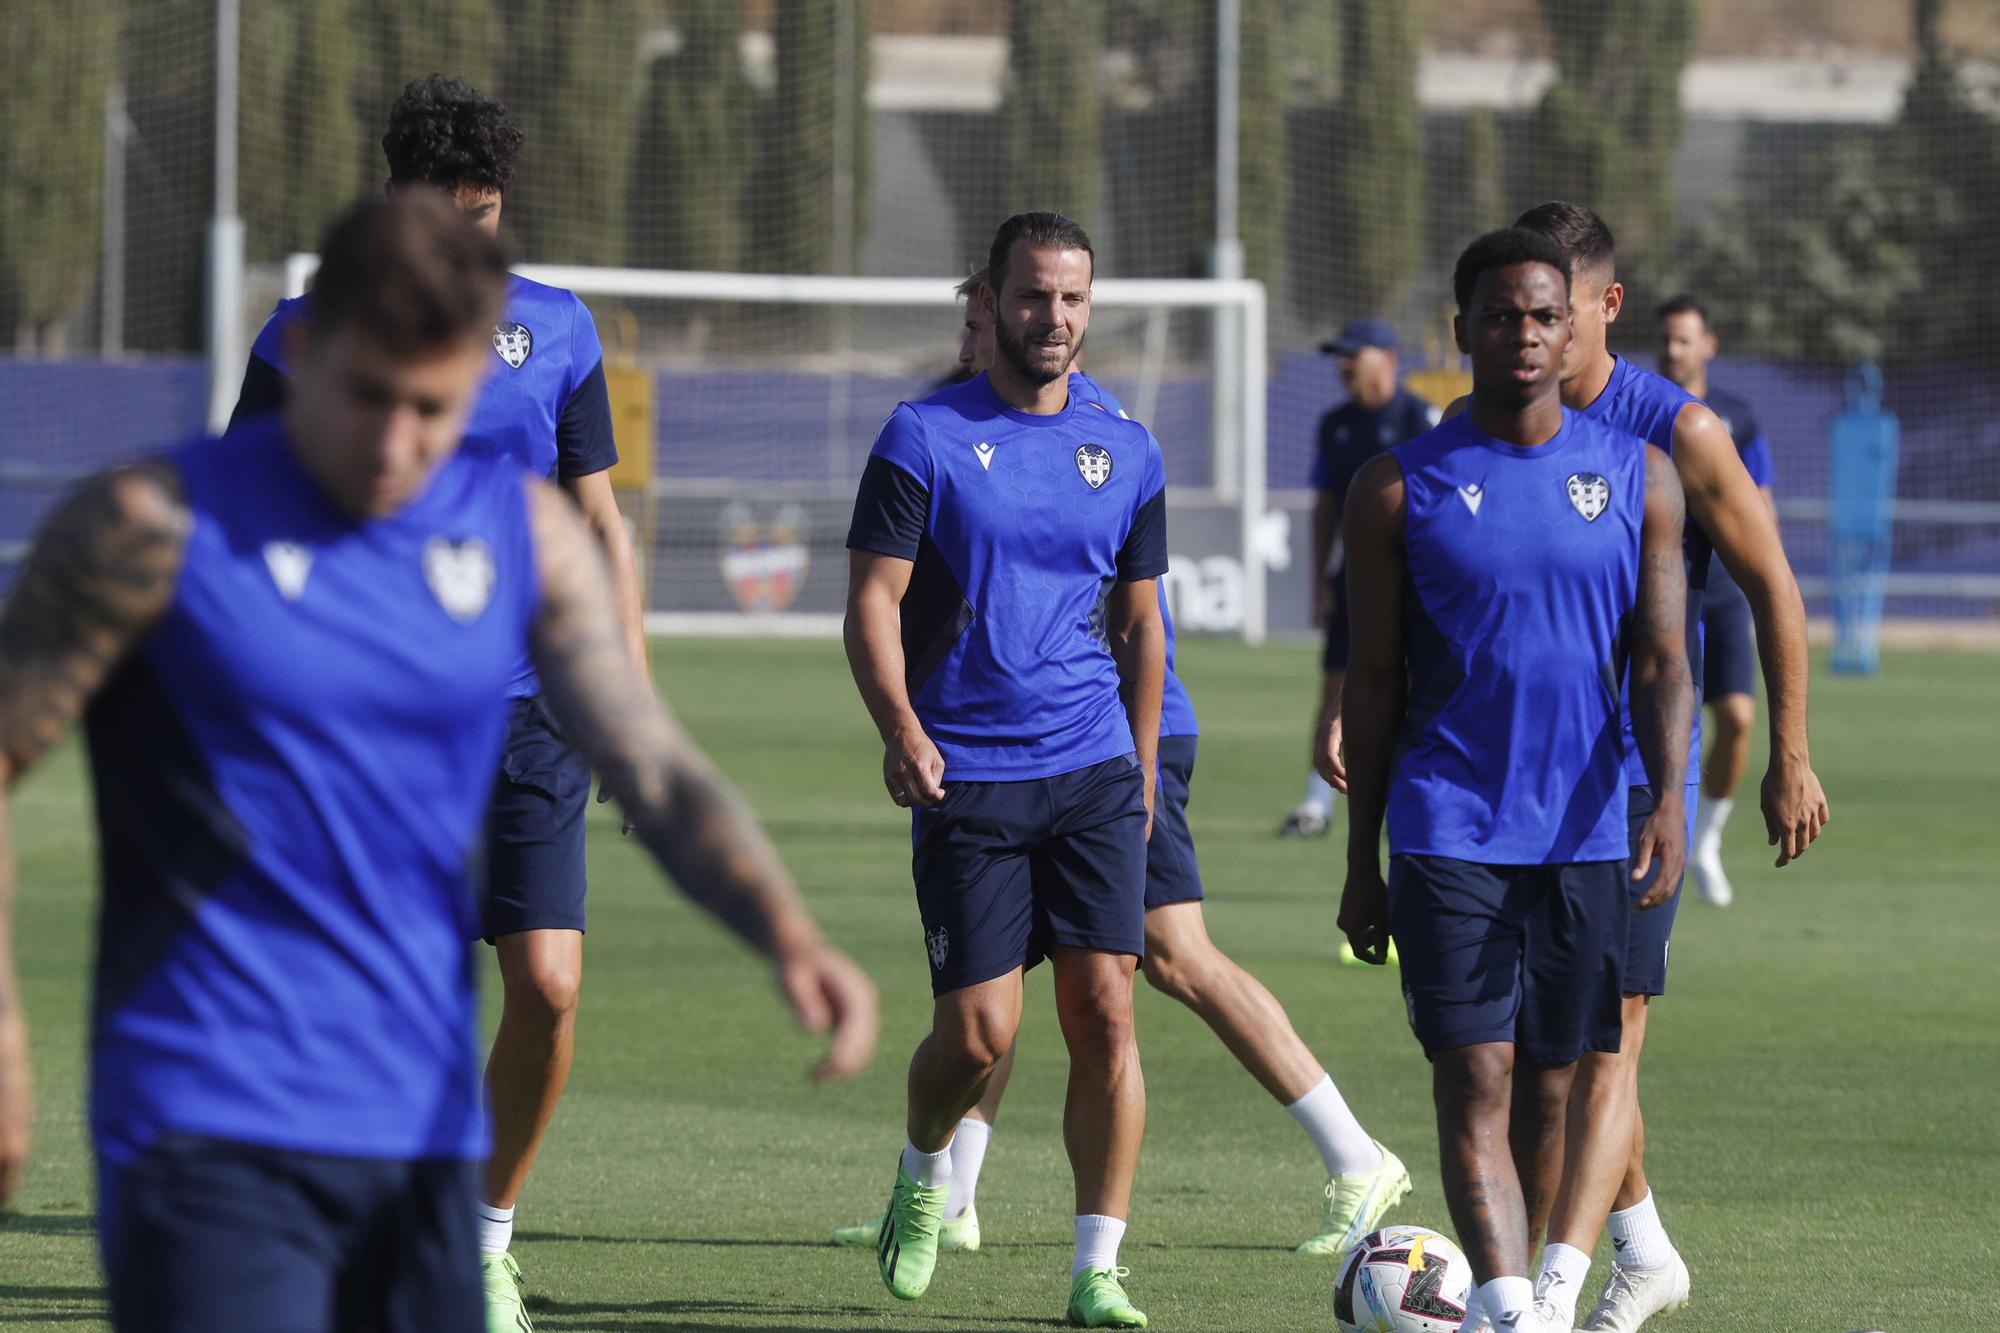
{"x":1379,"y":414}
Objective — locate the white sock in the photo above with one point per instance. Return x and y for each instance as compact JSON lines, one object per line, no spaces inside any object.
{"x":1318,"y":795}
{"x":1710,"y":816}
{"x":1505,"y":1296}
{"x":1637,"y":1238}
{"x":1564,"y":1267}
{"x":1097,"y":1240}
{"x":1343,"y":1145}
{"x":496,"y":1228}
{"x":968,"y":1154}
{"x":929,"y":1169}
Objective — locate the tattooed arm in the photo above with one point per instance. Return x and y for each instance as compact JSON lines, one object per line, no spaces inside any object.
{"x":100,"y":574}
{"x":1662,"y":687}
{"x":693,"y":821}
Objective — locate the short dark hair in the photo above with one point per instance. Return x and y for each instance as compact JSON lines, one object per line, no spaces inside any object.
{"x":1039,"y":229}
{"x":973,"y":282}
{"x":1582,"y":234}
{"x":1504,"y":249}
{"x":444,"y":132}
{"x":411,"y":270}
{"x":1682,"y":304}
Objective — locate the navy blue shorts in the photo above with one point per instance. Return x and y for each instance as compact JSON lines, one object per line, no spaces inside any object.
{"x":1652,"y":930}
{"x":1007,"y":870}
{"x":1333,"y":652}
{"x":1729,"y":638}
{"x":534,"y":830}
{"x":1171,"y":873}
{"x":205,"y":1235}
{"x":1532,"y":955}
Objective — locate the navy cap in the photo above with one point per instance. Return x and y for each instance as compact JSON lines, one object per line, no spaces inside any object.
{"x":1361,"y":333}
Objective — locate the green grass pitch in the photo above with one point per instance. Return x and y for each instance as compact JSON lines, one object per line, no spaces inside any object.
{"x":1822,"y":1084}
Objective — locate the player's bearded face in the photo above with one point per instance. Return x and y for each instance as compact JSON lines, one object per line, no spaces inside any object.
{"x":370,"y":425}
{"x":1042,"y":312}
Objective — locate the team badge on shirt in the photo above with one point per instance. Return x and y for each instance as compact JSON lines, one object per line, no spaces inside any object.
{"x":461,"y":575}
{"x":289,"y":564}
{"x":513,"y":342}
{"x":939,"y":944}
{"x":1094,"y":462}
{"x":1588,"y":494}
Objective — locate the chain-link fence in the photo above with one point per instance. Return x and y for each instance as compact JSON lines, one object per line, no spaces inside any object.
{"x":1824,"y":176}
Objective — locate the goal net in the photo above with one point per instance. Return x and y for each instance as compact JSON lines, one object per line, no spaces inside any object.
{"x":746,"y":403}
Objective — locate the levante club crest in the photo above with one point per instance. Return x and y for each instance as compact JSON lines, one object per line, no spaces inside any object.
{"x":763,"y":557}
{"x":1589,"y":493}
{"x":1094,"y":462}
{"x":513,"y":342}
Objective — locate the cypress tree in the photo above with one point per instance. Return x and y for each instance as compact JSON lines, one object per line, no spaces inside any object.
{"x":692,"y":154}
{"x":1379,"y":164}
{"x":1052,"y":120}
{"x":822,"y":68}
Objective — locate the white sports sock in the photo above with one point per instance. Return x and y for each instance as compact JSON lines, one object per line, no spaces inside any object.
{"x":1343,"y":1145}
{"x":1709,"y":818}
{"x":1637,"y":1238}
{"x":1318,"y":795}
{"x":1504,"y":1297}
{"x":929,"y":1169}
{"x":968,"y":1154}
{"x":1097,"y":1240}
{"x":496,"y":1228}
{"x":1564,"y":1267}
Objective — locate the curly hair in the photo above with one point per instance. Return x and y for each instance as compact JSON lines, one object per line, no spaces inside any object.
{"x":444,"y":132}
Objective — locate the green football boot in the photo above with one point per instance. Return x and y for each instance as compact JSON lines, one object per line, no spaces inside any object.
{"x":1097,"y":1299}
{"x":1355,"y":1205}
{"x":955,"y":1233}
{"x":501,"y":1278}
{"x":906,"y":1246}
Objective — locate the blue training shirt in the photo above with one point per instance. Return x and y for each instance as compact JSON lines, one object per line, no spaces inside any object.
{"x":1176,"y":708}
{"x":292,"y":771}
{"x":544,"y":407}
{"x":1521,"y":566}
{"x":1018,"y":526}
{"x":1741,"y":422}
{"x":1646,"y":405}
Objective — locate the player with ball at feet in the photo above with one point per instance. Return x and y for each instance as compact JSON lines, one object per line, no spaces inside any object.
{"x":1499,"y":570}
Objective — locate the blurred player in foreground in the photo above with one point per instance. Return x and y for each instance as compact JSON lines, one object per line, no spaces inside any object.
{"x":292,"y":648}
{"x":544,"y":407}
{"x":1379,"y":414}
{"x":998,"y":525}
{"x":1364,"y":1180}
{"x":1500,"y":568}
{"x":1725,"y":513}
{"x":1728,"y":633}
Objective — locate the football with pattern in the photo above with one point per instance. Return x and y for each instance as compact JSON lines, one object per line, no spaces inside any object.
{"x":1402,"y":1280}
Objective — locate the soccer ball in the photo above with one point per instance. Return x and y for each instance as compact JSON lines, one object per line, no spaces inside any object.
{"x":1402,"y":1280}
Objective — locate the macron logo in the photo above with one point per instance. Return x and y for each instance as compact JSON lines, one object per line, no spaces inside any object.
{"x":985,"y":452}
{"x":1472,"y":495}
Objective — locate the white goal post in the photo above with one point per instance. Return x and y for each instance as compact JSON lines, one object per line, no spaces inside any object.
{"x":1198,"y":346}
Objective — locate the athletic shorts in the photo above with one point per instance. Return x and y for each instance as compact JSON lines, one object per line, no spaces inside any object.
{"x":1652,"y":930}
{"x":1005,"y":871}
{"x":1532,"y":955}
{"x":1171,"y":873}
{"x":205,"y":1235}
{"x":534,"y":830}
{"x":1333,"y":653}
{"x":1729,"y":638}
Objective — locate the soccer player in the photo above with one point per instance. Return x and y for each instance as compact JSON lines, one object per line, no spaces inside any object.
{"x":1379,"y":414}
{"x":292,"y":648}
{"x":545,"y":408}
{"x":1502,"y":568}
{"x":1364,"y":1179}
{"x":1003,"y":626}
{"x":1729,"y":644}
{"x":1725,"y":513}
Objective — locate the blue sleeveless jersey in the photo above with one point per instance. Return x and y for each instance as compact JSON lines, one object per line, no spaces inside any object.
{"x":1646,"y":405}
{"x":1521,"y":566}
{"x":1176,"y":708}
{"x":291,"y":772}
{"x":544,"y":406}
{"x":1017,"y":525}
